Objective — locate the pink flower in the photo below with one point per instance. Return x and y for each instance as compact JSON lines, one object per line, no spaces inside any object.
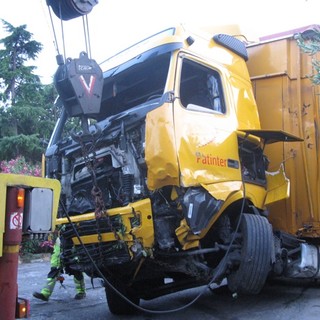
{"x":48,"y":243}
{"x":20,"y":166}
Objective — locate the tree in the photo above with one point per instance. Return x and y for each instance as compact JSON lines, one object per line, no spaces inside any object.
{"x":18,"y":48}
{"x":27,"y":114}
{"x":309,"y":42}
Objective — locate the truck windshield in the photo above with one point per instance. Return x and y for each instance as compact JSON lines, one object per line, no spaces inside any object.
{"x":134,"y":83}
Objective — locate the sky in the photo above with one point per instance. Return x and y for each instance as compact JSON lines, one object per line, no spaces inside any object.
{"x":116,"y":24}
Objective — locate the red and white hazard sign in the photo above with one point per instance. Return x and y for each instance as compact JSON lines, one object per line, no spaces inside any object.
{"x":16,"y":219}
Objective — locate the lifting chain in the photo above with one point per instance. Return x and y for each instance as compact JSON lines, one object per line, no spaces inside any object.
{"x":90,"y":161}
{"x":88,"y":147}
{"x":96,"y":192}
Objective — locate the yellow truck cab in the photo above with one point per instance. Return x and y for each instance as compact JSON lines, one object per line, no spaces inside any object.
{"x":169,"y":187}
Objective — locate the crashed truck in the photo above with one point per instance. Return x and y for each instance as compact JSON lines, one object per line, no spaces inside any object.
{"x":174,"y":176}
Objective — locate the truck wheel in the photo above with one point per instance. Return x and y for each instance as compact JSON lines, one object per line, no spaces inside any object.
{"x":256,"y":251}
{"x":118,"y":305}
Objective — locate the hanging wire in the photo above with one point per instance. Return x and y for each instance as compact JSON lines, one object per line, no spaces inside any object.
{"x":62,"y":33}
{"x":89,"y":39}
{"x":55,"y":42}
{"x":86,"y":34}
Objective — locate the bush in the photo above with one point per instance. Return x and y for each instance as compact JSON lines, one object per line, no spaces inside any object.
{"x":35,"y":246}
{"x":20,"y":166}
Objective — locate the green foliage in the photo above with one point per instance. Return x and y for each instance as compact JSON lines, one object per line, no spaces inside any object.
{"x":28,"y":145}
{"x":35,"y":246}
{"x":309,"y":42}
{"x":18,"y":49}
{"x":29,"y":246}
{"x":27,"y":115}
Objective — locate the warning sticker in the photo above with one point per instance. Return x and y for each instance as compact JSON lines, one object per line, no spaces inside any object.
{"x":16,"y":220}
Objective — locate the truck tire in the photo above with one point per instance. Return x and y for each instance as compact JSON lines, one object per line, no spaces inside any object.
{"x":117,"y":304}
{"x":256,"y":251}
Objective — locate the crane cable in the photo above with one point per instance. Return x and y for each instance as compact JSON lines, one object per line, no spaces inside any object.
{"x":62,"y":33}
{"x":54,"y":32}
{"x":86,"y":32}
{"x":85,"y":23}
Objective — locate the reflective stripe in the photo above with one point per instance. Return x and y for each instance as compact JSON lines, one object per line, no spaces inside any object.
{"x":48,"y":289}
{"x":80,"y":285}
{"x":55,"y":257}
{"x":11,"y":249}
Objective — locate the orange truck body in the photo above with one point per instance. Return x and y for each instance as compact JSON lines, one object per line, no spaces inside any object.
{"x":288,"y":100}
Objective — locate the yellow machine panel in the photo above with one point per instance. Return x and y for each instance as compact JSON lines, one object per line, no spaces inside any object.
{"x":26,"y":182}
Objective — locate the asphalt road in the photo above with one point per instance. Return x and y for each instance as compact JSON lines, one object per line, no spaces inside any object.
{"x":280,"y":300}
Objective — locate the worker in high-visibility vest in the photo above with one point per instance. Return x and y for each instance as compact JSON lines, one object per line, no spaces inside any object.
{"x":55,"y":275}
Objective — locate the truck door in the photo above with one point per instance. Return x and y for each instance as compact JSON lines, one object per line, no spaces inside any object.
{"x":204,"y":125}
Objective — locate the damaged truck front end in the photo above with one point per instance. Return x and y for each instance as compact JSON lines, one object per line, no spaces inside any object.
{"x":164,"y":186}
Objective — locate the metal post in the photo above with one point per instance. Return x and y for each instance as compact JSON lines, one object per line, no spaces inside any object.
{"x":9,"y":259}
